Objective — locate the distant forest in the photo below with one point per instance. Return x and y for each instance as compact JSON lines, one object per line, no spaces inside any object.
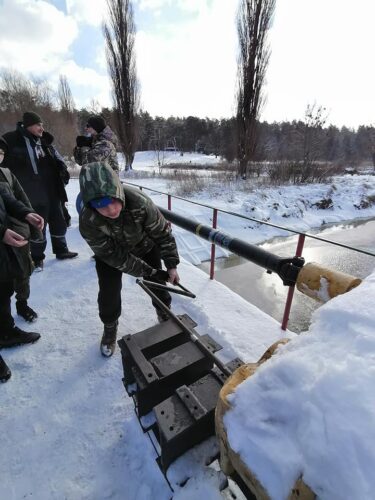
{"x":277,"y":141}
{"x":296,"y":141}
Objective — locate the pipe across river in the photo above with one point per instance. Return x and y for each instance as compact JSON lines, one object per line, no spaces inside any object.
{"x":267,"y":292}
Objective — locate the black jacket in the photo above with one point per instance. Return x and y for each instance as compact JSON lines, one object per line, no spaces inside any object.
{"x":12,"y":263}
{"x":51,"y":176}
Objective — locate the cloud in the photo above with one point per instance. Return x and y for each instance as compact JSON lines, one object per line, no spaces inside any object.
{"x":91,"y":12}
{"x":189,"y":69}
{"x":36,"y":39}
{"x":34,"y":35}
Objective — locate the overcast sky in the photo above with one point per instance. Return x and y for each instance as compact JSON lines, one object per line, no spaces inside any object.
{"x":322,"y":51}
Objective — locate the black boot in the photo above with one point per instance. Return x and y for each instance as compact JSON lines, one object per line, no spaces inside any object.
{"x":38,"y":266}
{"x":5,"y":372}
{"x":108,"y":342}
{"x":25,"y":311}
{"x":66,"y":255}
{"x":16,"y":336}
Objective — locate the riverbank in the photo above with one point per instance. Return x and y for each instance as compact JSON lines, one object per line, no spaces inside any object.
{"x":301,"y":208}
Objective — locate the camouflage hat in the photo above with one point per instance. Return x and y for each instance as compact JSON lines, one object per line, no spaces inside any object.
{"x":98,"y":180}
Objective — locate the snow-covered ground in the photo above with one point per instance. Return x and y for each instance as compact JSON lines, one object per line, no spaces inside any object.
{"x":150,"y":159}
{"x":69,"y":430}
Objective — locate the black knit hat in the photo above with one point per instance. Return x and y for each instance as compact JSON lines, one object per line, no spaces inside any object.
{"x":97,"y":123}
{"x":29,"y":118}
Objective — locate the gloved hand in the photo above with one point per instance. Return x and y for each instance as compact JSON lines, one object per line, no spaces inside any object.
{"x":159,"y":274}
{"x":83,"y":141}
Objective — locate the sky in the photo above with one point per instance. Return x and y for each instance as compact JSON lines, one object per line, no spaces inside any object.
{"x":69,"y":430}
{"x":187,"y":52}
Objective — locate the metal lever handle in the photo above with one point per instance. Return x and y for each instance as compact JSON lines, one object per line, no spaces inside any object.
{"x":184,"y":291}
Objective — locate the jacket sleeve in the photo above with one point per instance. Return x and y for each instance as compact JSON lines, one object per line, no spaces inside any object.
{"x":110,"y":252}
{"x":14,"y":207}
{"x":159,"y":230}
{"x":103,"y":150}
{"x":19,"y":193}
{"x":61,"y":165}
{"x":2,"y":231}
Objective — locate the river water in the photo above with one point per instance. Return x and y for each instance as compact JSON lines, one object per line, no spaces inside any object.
{"x":267,"y":292}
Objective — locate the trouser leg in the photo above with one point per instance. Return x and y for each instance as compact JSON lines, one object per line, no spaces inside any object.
{"x":109,"y":296}
{"x":37,"y":247}
{"x":6,"y":319}
{"x":57,"y":227}
{"x":153,"y":259}
{"x":22,"y":288}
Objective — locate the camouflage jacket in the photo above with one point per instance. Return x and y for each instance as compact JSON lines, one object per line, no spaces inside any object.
{"x":122,"y":242}
{"x":103,"y":149}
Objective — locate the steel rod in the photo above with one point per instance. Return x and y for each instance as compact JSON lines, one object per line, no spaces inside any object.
{"x":193,"y":336}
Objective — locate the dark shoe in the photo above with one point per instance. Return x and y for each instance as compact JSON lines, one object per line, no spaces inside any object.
{"x":25,"y":311}
{"x":16,"y":336}
{"x":5,"y":372}
{"x":162,"y":315}
{"x":66,"y":255}
{"x":108,"y":342}
{"x":38,"y":266}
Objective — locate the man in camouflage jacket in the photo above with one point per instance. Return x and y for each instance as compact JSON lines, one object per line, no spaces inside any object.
{"x":100,"y":146}
{"x":127,"y":234}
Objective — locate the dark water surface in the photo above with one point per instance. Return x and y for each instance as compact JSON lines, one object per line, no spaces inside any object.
{"x":267,"y":292}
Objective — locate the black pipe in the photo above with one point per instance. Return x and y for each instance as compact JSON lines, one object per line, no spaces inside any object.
{"x":286,"y":268}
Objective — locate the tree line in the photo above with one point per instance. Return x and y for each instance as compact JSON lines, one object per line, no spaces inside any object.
{"x":302,"y":140}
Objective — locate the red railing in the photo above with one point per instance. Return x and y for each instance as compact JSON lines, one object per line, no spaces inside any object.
{"x":299,"y":249}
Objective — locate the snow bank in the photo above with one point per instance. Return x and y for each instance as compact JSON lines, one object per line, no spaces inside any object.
{"x":310,"y":410}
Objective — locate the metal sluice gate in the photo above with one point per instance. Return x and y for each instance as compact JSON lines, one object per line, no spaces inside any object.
{"x":172,"y":371}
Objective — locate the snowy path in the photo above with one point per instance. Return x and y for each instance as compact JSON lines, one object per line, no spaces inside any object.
{"x":68,"y":428}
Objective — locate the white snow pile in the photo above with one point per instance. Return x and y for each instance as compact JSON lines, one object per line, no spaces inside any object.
{"x":310,"y":410}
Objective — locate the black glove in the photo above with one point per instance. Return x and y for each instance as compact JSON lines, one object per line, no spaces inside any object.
{"x":159,"y":274}
{"x":83,"y":141}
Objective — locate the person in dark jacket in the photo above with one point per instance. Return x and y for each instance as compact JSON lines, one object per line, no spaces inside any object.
{"x":127,"y":234}
{"x":21,"y":284}
{"x":32,"y":159}
{"x":13,"y":264}
{"x":99,"y":145}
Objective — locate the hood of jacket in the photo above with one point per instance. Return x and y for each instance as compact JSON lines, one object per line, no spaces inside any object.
{"x":97,"y":180}
{"x":108,"y":135}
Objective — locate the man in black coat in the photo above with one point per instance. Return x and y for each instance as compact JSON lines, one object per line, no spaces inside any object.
{"x":42,"y":173}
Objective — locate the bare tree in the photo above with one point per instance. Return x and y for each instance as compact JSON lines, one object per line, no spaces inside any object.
{"x":253,"y":23}
{"x":65,"y":96}
{"x":119,"y":34}
{"x":311,"y":140}
{"x":19,"y":93}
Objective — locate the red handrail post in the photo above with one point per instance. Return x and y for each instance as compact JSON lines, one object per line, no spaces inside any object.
{"x":213,"y":246}
{"x":289,"y":299}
